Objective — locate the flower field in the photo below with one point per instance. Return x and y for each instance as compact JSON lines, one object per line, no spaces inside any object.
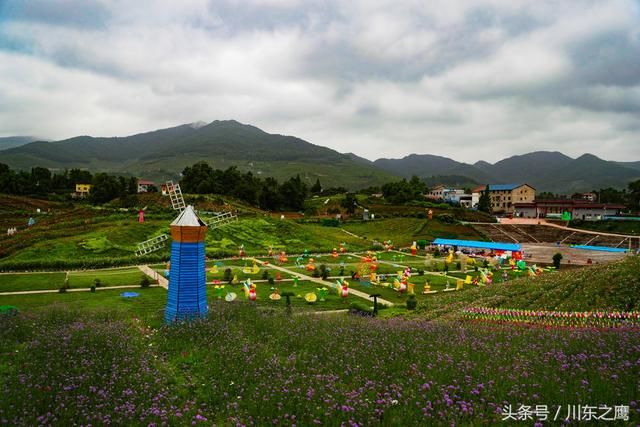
{"x":244,"y":366}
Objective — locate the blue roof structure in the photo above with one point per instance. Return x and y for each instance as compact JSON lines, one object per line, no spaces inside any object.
{"x":497,"y":246}
{"x":503,"y":187}
{"x":599,"y":248}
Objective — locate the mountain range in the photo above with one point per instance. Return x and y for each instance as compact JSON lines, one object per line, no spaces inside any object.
{"x":163,"y":154}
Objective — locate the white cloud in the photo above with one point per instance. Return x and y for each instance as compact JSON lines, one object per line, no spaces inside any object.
{"x":467,"y":79}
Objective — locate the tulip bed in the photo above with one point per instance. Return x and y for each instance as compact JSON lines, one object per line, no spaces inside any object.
{"x":247,"y":366}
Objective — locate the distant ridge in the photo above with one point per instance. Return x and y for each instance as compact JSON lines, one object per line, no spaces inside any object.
{"x":163,"y":154}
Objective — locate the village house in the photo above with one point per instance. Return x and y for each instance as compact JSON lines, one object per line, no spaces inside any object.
{"x":82,"y":190}
{"x":576,"y":209}
{"x":145,"y":186}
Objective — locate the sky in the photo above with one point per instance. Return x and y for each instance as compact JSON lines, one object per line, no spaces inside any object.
{"x":470,"y":80}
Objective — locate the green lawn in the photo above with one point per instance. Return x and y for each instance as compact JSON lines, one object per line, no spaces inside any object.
{"x":30,"y":282}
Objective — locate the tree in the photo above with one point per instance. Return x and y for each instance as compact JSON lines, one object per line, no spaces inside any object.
{"x":349,"y":203}
{"x":556,"y":260}
{"x":316,"y":188}
{"x":105,"y":188}
{"x":484,"y":204}
{"x":634,"y":195}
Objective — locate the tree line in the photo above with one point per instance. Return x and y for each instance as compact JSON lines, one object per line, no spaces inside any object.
{"x":266,"y":193}
{"x":40,"y":181}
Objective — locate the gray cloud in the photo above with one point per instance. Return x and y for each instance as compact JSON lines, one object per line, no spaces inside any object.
{"x":471,"y":79}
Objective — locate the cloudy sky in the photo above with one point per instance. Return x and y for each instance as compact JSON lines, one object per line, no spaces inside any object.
{"x":479,"y":79}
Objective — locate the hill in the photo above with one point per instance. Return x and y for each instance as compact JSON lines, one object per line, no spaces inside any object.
{"x":164,"y":153}
{"x":7,"y":142}
{"x":545,"y":170}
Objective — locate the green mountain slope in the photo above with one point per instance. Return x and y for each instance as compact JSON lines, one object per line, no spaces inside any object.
{"x":546,"y":171}
{"x":164,"y":153}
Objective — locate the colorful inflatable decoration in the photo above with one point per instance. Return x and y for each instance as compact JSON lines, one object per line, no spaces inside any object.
{"x":214,"y":269}
{"x":459,"y":284}
{"x":414,"y":248}
{"x":231,"y":296}
{"x":282,"y":259}
{"x":388,"y":245}
{"x":310,"y":265}
{"x":427,"y":288}
{"x":310,"y":297}
{"x":275,"y":295}
{"x":521,"y":265}
{"x":344,"y":291}
{"x":305,"y":254}
{"x":278,"y":276}
{"x":343,"y":249}
{"x":234,"y":281}
{"x":334,"y":253}
{"x":449,"y":259}
{"x":250,"y":290}
{"x":241,"y":251}
{"x":270,"y":253}
{"x":322,"y":293}
{"x":247,"y":270}
{"x":410,"y":289}
{"x":219,"y":289}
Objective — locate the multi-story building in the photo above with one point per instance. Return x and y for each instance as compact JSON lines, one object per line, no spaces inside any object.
{"x":505,"y":196}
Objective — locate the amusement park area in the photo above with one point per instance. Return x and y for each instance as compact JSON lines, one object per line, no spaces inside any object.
{"x":386,"y":314}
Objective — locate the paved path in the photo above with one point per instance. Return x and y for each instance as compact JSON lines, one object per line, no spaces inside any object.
{"x":155,"y":276}
{"x":55,"y":291}
{"x":319,"y":281}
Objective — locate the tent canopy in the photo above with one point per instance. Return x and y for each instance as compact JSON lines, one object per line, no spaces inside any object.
{"x":599,"y":248}
{"x":496,"y":246}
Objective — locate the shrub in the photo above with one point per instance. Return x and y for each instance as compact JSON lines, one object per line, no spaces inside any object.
{"x":412,"y":302}
{"x":97,"y":283}
{"x":420,"y":272}
{"x":93,"y":289}
{"x":271,"y":281}
{"x":145,"y":282}
{"x":227,"y":277}
{"x":556,"y":260}
{"x":265,"y":275}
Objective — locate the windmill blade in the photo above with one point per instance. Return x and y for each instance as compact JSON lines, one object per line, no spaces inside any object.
{"x":175,"y":195}
{"x":151,"y":245}
{"x":222,"y":219}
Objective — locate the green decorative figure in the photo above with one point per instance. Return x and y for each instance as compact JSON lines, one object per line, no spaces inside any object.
{"x":295,"y":281}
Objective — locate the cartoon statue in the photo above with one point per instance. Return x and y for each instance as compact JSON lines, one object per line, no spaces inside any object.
{"x":334,"y":253}
{"x":250,"y":290}
{"x":214,"y":269}
{"x":322,"y":292}
{"x":241,"y":251}
{"x":414,"y":248}
{"x":427,"y":288}
{"x":342,"y":248}
{"x":270,"y":253}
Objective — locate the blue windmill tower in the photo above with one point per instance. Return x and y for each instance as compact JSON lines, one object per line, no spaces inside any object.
{"x":187,"y":278}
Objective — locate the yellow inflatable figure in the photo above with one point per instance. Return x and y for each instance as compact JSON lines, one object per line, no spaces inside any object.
{"x":255,"y":269}
{"x":450,"y":257}
{"x":427,"y":288}
{"x":410,"y":287}
{"x":214,"y":269}
{"x":235,"y":279}
{"x":459,"y":284}
{"x":467,"y":280}
{"x":373,"y":278}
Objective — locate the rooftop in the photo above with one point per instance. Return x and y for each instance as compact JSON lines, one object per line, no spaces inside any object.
{"x":188,"y":218}
{"x":505,"y":187}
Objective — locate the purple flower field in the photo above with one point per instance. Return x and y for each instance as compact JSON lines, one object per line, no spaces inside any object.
{"x":243,"y":366}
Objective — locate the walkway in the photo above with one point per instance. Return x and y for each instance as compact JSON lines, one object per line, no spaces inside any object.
{"x":162,"y":282}
{"x":318,"y":280}
{"x":55,"y":291}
